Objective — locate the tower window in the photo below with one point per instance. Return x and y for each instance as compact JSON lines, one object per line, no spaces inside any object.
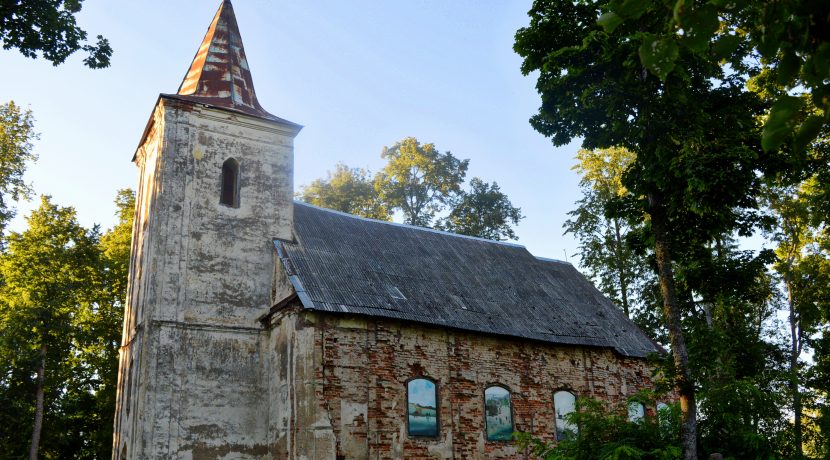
{"x":230,"y":183}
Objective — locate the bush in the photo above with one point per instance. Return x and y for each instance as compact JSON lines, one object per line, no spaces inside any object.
{"x":605,"y":433}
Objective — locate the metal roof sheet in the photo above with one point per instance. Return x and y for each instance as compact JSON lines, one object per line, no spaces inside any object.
{"x":350,"y":264}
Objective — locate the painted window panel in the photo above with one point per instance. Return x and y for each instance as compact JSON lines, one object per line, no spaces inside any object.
{"x":564,"y":403}
{"x":498,"y":414}
{"x":422,"y":408}
{"x":636,"y":411}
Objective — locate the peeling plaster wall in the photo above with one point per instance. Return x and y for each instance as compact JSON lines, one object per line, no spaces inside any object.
{"x":349,"y":386}
{"x":192,"y":380}
{"x":298,"y":426}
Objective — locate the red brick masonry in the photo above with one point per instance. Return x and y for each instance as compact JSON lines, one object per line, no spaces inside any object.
{"x":364,"y":364}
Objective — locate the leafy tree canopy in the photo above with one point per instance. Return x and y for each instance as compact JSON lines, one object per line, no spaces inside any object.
{"x":621,"y":272}
{"x":61,"y":312}
{"x":418,"y":180}
{"x":691,"y":123}
{"x":48,"y":277}
{"x":16,"y":136}
{"x":484,"y":212}
{"x":48,"y":28}
{"x":349,"y":190}
{"x":790,"y":38}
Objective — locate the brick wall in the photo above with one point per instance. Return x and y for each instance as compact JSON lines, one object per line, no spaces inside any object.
{"x":361,"y":366}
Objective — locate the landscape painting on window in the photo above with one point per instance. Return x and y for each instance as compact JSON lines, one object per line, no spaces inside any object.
{"x":497,"y":414}
{"x":422,"y":408}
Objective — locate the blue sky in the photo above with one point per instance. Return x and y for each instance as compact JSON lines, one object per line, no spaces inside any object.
{"x":422,"y":392}
{"x":359,"y":75}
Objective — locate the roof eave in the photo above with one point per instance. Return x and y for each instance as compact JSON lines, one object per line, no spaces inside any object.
{"x":290,"y":126}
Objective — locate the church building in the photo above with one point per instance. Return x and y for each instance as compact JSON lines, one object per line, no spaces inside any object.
{"x":261,"y":327}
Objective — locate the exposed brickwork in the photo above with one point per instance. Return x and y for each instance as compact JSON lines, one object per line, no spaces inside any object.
{"x":362,"y":366}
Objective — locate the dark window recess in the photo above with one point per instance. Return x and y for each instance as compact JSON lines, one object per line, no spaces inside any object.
{"x":230,"y":183}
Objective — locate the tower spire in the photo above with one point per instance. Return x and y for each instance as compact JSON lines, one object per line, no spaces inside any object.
{"x":219,"y":74}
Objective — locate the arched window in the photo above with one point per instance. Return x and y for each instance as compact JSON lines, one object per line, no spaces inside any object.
{"x":230,"y":183}
{"x":498,"y":414}
{"x":636,"y":411}
{"x":664,"y":415}
{"x":422,"y":408}
{"x":564,"y":403}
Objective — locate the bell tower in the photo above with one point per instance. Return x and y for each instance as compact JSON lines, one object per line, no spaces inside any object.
{"x":215,"y":189}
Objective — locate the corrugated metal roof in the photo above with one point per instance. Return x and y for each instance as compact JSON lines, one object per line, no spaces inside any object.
{"x":349,"y":264}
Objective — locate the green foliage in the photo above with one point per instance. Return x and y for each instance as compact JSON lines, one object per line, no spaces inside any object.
{"x":803,"y":263}
{"x":484,"y":212}
{"x":101,"y":330}
{"x":349,"y":190}
{"x":48,"y":28}
{"x":63,"y":288}
{"x":606,"y":433}
{"x":418,"y":180}
{"x":795,"y":50}
{"x":618,"y":269}
{"x":49,"y":274}
{"x":16,"y":136}
{"x":698,"y":163}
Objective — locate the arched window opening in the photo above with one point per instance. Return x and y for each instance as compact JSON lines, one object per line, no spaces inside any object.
{"x":230,"y":183}
{"x":564,"y":403}
{"x":498,"y":414}
{"x":664,"y":415}
{"x":636,"y":411}
{"x":422,"y":408}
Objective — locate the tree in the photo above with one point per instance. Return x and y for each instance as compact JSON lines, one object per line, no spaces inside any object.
{"x":805,"y":270}
{"x":49,"y":273}
{"x":621,"y":273}
{"x":99,"y":331}
{"x":795,"y":51}
{"x":419,"y":180}
{"x":48,"y":28}
{"x":16,"y":136}
{"x":349,"y":190}
{"x":698,"y":160}
{"x":606,"y":432}
{"x":484,"y":212}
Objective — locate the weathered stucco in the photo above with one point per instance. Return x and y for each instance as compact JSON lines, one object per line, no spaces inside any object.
{"x":192,"y":382}
{"x":343,"y":381}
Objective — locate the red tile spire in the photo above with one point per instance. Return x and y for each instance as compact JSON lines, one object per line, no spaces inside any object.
{"x":219,"y":75}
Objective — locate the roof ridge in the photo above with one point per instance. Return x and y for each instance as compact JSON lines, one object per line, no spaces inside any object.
{"x":414,"y":227}
{"x":557,"y":261}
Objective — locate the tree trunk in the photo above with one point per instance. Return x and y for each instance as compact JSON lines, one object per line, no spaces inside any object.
{"x":795,"y":351}
{"x":671,"y":310}
{"x":621,"y":268}
{"x":38,"y":405}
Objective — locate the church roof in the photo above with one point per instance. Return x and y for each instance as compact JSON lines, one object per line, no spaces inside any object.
{"x":342,"y":263}
{"x":219,"y":75}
